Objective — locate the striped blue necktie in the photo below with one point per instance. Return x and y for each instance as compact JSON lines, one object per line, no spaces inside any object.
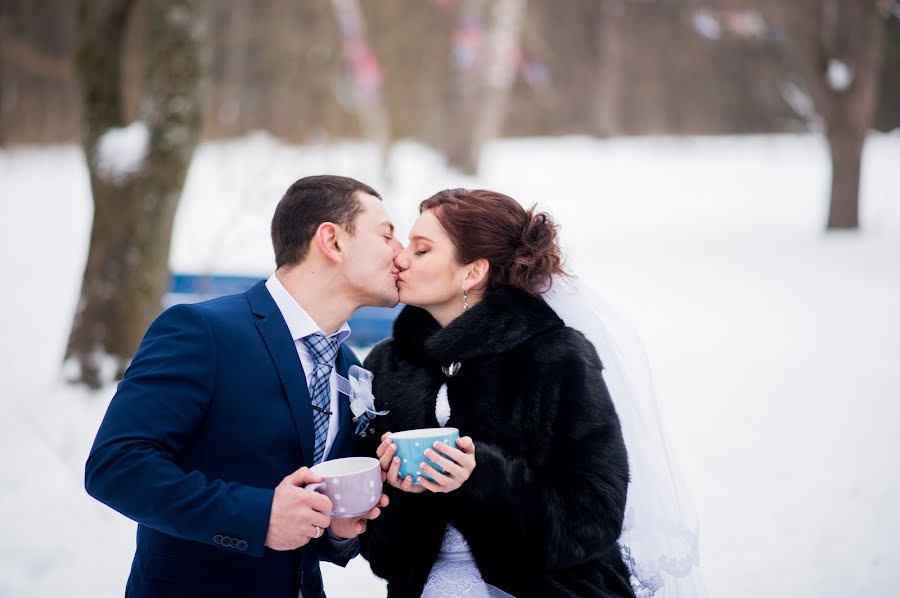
{"x":323,"y":350}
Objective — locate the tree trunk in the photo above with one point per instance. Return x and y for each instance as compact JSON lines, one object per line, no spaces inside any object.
{"x":846,"y":148}
{"x":847,"y":52}
{"x":484,"y":90}
{"x":365,"y":71}
{"x":4,"y":76}
{"x":135,"y":198}
{"x":229,"y":118}
{"x":608,"y":31}
{"x":502,"y":64}
{"x":468,"y":56}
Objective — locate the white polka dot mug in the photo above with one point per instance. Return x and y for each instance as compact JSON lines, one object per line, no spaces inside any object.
{"x":353,"y":484}
{"x":411,"y":446}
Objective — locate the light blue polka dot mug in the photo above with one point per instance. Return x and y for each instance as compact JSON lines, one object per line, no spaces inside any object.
{"x":411,"y":446}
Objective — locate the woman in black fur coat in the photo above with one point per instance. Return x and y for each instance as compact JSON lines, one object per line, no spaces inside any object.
{"x":534,"y":495}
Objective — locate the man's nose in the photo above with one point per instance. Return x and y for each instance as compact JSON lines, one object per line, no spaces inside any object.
{"x":400,"y":261}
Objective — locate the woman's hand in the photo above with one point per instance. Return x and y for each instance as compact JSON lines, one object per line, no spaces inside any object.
{"x":390,"y":466}
{"x":457,"y":463}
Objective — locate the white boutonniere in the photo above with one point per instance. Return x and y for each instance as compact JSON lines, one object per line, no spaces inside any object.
{"x":362,"y":402}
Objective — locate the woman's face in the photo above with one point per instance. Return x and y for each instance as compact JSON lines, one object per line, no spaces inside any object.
{"x":430,"y":276}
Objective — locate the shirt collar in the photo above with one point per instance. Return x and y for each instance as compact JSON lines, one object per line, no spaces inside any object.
{"x":299,"y":322}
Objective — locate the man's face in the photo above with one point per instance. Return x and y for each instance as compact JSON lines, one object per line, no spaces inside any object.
{"x":369,"y":255}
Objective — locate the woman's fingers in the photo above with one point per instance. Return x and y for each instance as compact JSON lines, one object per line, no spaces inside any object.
{"x":393,"y":472}
{"x":427,"y":484}
{"x":448,"y":465}
{"x":466,"y":444}
{"x":466,"y":460}
{"x":452,"y":453}
{"x":410,"y":486}
{"x":387,"y":451}
{"x":441,"y":479}
{"x":392,"y":476}
{"x":457,"y":463}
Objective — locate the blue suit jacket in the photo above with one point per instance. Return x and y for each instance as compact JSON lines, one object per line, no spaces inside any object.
{"x":211,"y":415}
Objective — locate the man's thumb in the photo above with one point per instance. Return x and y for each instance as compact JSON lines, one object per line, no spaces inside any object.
{"x":302,"y":477}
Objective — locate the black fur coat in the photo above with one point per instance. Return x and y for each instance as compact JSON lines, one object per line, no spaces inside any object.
{"x":544,"y":506}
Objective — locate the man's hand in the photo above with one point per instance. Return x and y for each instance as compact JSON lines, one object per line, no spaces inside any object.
{"x":298,"y":515}
{"x":350,"y":528}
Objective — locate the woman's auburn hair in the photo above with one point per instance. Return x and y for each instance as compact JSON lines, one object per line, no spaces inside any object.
{"x":520,"y":245}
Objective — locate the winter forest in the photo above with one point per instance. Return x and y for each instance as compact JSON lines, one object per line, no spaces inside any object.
{"x":724,"y":172}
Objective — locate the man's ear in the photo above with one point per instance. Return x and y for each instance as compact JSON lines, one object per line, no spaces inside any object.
{"x":328,"y":241}
{"x":477,"y":274}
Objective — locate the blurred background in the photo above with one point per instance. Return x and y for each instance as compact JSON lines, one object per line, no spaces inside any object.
{"x":725,"y":172}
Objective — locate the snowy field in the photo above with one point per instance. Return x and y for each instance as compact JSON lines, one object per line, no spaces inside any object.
{"x":775,"y":347}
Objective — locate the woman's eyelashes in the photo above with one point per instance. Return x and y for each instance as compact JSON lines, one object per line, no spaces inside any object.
{"x":421,"y":252}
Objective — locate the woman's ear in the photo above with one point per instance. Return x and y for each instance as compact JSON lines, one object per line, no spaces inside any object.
{"x":328,"y":242}
{"x":477,"y":274}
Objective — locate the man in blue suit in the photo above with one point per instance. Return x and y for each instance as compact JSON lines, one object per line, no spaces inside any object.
{"x":227,"y":403}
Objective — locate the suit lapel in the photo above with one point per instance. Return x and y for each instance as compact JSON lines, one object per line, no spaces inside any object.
{"x":275,"y":333}
{"x":346,"y":425}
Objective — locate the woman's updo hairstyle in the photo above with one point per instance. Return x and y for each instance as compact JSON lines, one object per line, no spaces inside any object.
{"x":520,"y":245}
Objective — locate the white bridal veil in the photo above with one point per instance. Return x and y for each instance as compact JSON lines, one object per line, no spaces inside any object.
{"x":659,"y":540}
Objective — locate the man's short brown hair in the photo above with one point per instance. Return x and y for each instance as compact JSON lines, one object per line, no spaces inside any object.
{"x":306,"y":205}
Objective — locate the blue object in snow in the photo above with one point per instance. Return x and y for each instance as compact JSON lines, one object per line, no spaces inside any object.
{"x":369,"y":324}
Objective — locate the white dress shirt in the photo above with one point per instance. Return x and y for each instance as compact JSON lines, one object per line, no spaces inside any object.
{"x":301,"y":324}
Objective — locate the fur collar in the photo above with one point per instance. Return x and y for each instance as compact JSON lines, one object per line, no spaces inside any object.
{"x":505,"y":318}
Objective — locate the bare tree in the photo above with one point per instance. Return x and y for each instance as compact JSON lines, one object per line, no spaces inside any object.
{"x":365,"y":70}
{"x":136,"y":172}
{"x":231,"y":90}
{"x":608,"y":18}
{"x":484,"y":86}
{"x":846,"y":47}
{"x":466,"y":89}
{"x":500,"y":71}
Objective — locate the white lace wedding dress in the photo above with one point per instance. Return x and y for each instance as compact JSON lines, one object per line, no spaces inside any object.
{"x":455,"y":573}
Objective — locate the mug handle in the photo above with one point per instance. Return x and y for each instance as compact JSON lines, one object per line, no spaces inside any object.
{"x":316,"y":487}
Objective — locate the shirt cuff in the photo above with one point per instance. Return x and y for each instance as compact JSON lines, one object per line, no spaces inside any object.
{"x":342,"y":546}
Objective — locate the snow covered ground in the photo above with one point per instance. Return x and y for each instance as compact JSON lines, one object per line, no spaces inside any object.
{"x":775,"y":347}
